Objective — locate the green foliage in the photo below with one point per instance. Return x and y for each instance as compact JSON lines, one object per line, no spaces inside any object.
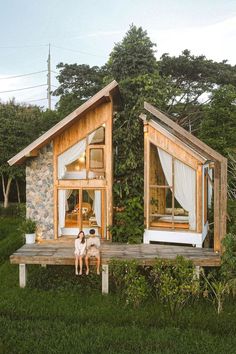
{"x":13,"y":209}
{"x":218,"y":129}
{"x":130,"y":284}
{"x":128,"y":222}
{"x":232,"y":216}
{"x":217,"y":285}
{"x":133,"y":56}
{"x":193,"y":78}
{"x":28,"y":226}
{"x":65,"y":317}
{"x":19,"y":126}
{"x":61,"y":278}
{"x":10,"y":238}
{"x":174,"y":283}
{"x":77,"y":84}
{"x":228,"y":259}
{"x":215,"y":290}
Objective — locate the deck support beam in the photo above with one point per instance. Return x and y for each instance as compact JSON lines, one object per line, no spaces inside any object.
{"x":105,"y":279}
{"x":22,"y":275}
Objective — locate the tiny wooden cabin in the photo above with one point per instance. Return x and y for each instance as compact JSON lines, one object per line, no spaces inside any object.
{"x":69,"y":177}
{"x":184,"y":178}
{"x":69,"y":172}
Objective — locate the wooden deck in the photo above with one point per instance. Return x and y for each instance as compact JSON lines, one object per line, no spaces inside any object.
{"x":62,"y":253}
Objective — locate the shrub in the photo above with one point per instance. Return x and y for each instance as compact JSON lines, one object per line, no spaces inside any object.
{"x":130,"y":284}
{"x":13,"y":210}
{"x":128,"y":222}
{"x":174,"y":283}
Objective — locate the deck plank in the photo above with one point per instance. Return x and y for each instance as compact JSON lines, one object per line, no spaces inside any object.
{"x":62,"y":253}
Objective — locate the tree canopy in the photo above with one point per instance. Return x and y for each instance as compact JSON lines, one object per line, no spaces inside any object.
{"x":197,"y":92}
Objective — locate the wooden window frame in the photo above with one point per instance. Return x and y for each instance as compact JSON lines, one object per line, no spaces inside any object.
{"x":94,"y":147}
{"x":172,"y":188}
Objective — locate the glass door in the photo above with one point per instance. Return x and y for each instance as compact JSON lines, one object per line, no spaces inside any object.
{"x":81,"y":209}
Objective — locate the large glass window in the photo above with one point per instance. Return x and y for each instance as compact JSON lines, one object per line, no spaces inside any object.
{"x":85,"y":159}
{"x":80,"y":209}
{"x":172,"y":187}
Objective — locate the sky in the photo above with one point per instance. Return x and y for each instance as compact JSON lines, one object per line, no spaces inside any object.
{"x":84,"y":32}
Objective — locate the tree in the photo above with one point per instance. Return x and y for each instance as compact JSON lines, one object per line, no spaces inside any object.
{"x":133,"y":56}
{"x":77,"y":84}
{"x":19,"y":126}
{"x":193,"y":78}
{"x":133,"y":63}
{"x":218,"y":129}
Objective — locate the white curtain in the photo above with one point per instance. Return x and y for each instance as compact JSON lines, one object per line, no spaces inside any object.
{"x":184,"y":184}
{"x":97,"y":207}
{"x":96,"y":197}
{"x":166,"y":163}
{"x":185,"y":190}
{"x":210,"y":188}
{"x":71,"y":155}
{"x":63,"y":196}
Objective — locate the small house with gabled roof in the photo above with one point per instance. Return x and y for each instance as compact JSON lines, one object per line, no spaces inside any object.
{"x":184,"y":179}
{"x":69,"y":177}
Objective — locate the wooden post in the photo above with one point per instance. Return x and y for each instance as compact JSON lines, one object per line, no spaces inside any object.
{"x":217,"y":245}
{"x":22,"y":275}
{"x":109,"y":170}
{"x":223,"y":200}
{"x":199,"y":199}
{"x":105,"y":279}
{"x":145,"y":130}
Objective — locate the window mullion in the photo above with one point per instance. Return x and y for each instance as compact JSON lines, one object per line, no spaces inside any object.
{"x":173,"y":193}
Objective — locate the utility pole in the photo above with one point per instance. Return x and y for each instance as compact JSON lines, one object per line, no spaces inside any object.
{"x":49,"y":78}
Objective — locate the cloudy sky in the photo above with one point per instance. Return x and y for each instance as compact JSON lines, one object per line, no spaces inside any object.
{"x":85,"y":32}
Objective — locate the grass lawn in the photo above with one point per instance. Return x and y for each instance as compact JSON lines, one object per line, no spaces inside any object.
{"x":59,"y":313}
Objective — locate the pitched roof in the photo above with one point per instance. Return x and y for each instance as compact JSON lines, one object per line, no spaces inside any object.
{"x":193,"y":142}
{"x":101,"y":96}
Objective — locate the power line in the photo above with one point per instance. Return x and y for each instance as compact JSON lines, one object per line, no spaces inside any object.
{"x":14,"y":77}
{"x":77,"y":51}
{"x":24,"y":88}
{"x":23,"y":46}
{"x":40,"y":99}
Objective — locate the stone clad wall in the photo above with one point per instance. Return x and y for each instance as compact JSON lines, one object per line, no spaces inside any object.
{"x":39,"y":190}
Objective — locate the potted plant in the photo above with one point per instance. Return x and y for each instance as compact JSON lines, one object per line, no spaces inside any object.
{"x":28,"y":228}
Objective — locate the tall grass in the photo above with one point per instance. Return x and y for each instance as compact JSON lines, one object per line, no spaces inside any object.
{"x":61,"y":313}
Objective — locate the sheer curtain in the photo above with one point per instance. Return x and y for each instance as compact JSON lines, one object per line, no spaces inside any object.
{"x":184,"y":184}
{"x":185,"y":190}
{"x":63,"y":196}
{"x":96,"y":197}
{"x":97,"y":207}
{"x":210,"y":189}
{"x":166,"y":163}
{"x":71,"y":155}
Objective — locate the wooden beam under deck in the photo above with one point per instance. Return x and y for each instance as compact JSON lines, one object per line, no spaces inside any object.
{"x":62,"y":253}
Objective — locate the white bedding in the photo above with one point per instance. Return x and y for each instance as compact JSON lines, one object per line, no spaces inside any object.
{"x":177,"y":218}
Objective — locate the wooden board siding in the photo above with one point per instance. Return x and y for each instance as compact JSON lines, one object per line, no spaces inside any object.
{"x":62,"y":253}
{"x":217,"y":245}
{"x":145,"y":131}
{"x":174,"y":149}
{"x":199,"y":199}
{"x":111,"y":90}
{"x":200,"y":146}
{"x":80,"y":128}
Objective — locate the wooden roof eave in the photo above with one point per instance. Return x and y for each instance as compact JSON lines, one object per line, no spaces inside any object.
{"x":200,"y":146}
{"x":31,"y":150}
{"x":175,"y":139}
